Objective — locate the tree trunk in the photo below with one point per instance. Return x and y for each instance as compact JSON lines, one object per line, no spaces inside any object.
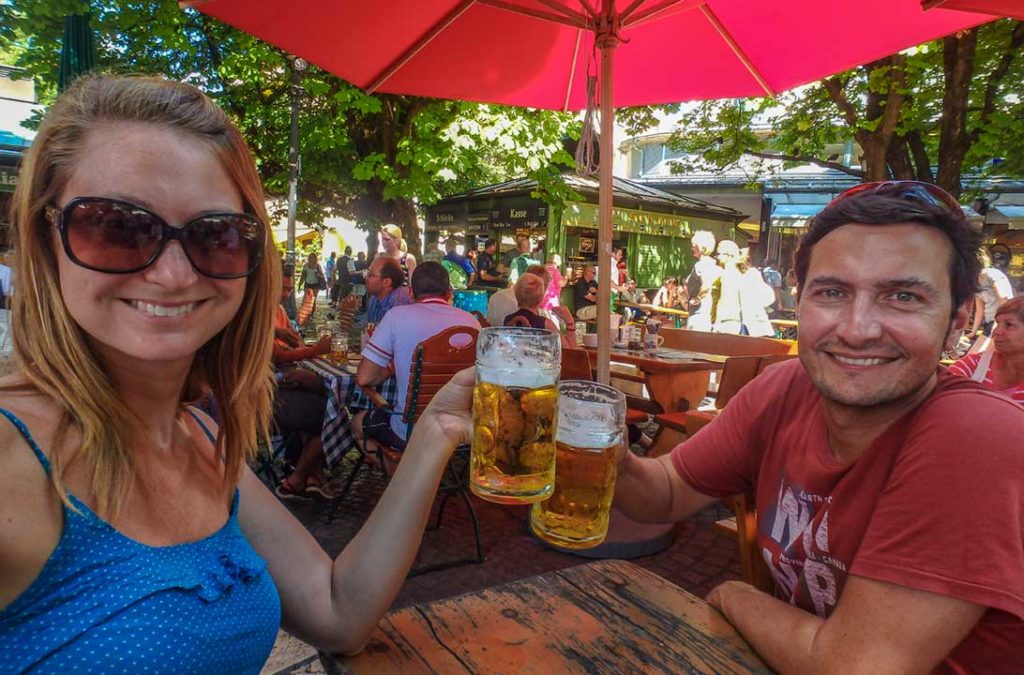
{"x":958,"y":63}
{"x":404,"y":213}
{"x":898,"y":158}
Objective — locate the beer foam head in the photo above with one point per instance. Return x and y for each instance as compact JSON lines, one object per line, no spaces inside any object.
{"x":518,"y":357}
{"x":524,"y":372}
{"x":590,"y":415}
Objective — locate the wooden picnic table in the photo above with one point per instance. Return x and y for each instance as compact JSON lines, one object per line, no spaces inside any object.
{"x":603,"y":617}
{"x":676,"y":381}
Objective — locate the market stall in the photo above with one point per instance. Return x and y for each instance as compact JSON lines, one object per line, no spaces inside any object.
{"x":653,"y":226}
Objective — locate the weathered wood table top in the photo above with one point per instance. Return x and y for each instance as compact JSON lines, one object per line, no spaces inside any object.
{"x":603,"y":617}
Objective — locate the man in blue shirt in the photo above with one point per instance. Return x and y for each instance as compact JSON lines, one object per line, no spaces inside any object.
{"x":384,"y":286}
{"x":453,"y":256}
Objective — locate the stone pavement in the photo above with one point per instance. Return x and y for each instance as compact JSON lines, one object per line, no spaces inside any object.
{"x":697,"y":561}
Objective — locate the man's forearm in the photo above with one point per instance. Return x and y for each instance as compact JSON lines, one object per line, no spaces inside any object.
{"x":783,"y":635}
{"x":643,"y":489}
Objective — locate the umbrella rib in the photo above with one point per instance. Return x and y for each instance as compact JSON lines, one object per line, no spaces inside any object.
{"x":572,"y":69}
{"x":415,"y":49}
{"x":737,"y":50}
{"x":629,"y":20}
{"x":624,"y":15}
{"x":932,"y":4}
{"x":534,"y":13}
{"x":563,"y":9}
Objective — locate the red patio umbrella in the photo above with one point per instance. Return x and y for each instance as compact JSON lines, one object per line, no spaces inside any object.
{"x":1011,"y":8}
{"x":538,"y":53}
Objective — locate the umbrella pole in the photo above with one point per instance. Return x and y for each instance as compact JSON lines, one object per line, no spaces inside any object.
{"x":608,"y":42}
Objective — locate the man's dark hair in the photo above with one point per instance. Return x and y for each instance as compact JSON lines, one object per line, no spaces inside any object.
{"x":430,"y":278}
{"x":769,"y":262}
{"x":489,"y":243}
{"x":390,"y":269}
{"x":871,"y":208}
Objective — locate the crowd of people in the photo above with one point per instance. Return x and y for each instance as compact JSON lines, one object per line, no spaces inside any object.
{"x":887,"y":488}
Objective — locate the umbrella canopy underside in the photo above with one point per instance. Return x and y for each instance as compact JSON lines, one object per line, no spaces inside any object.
{"x":526,"y":53}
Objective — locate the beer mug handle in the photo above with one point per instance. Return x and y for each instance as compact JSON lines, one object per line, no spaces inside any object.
{"x":661,"y":340}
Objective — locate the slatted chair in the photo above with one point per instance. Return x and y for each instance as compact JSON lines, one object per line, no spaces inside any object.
{"x":743,"y":526}
{"x":675,"y":427}
{"x":435,"y":361}
{"x":484,"y":323}
{"x":346,"y":314}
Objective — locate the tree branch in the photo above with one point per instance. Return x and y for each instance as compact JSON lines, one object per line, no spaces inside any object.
{"x":835,"y":88}
{"x":806,"y":159}
{"x":995,"y":78}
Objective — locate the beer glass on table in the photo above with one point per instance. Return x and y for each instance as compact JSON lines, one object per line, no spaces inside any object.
{"x":591,"y":428}
{"x":512,"y":460}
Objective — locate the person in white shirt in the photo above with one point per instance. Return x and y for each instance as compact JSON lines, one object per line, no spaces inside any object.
{"x":994,"y":288}
{"x":393,"y":343}
{"x":504,"y":302}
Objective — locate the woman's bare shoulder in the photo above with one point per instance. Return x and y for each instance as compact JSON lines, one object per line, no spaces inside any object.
{"x":30,"y":517}
{"x":38,"y":413}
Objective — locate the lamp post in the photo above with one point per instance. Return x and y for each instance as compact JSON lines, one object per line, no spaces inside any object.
{"x":298,"y":67}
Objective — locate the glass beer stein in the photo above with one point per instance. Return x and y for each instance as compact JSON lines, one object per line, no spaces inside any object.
{"x":591,"y":427}
{"x":512,"y":460}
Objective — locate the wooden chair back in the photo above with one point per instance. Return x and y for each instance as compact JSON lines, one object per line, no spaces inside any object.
{"x":346,"y":314}
{"x":435,"y":361}
{"x":724,"y":343}
{"x":484,"y":323}
{"x":753,"y":568}
{"x":736,"y":373}
{"x":772,"y":359}
{"x":576,"y":365}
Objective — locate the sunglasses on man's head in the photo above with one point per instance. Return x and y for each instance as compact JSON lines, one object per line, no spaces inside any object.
{"x":118,"y":237}
{"x":914,"y":190}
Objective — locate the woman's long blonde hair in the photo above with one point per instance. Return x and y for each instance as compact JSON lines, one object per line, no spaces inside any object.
{"x":54,"y":353}
{"x":395,"y":232}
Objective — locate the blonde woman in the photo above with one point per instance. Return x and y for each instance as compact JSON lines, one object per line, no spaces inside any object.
{"x":395,"y":247}
{"x":132,"y":534}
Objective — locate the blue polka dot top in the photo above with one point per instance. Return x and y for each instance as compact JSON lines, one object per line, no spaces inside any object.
{"x":104,"y":603}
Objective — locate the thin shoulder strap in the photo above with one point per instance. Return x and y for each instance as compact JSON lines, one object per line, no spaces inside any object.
{"x":20,"y":426}
{"x":202,"y":425}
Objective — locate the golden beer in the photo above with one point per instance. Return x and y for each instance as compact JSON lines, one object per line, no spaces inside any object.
{"x":515,"y":410}
{"x":576,"y":513}
{"x":590,"y":431}
{"x":513,"y":453}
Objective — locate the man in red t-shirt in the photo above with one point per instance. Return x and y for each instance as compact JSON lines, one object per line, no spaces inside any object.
{"x":894,"y":531}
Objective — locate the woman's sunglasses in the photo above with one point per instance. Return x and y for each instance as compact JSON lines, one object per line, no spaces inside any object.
{"x":118,"y":237}
{"x":918,"y":191}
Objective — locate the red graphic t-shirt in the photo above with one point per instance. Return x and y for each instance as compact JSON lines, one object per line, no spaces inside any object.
{"x":934,"y":504}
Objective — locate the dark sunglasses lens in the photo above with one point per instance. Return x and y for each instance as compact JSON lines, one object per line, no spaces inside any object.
{"x":111,"y":236}
{"x":226,"y":246}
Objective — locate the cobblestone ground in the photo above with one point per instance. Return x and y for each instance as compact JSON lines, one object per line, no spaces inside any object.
{"x":698,"y":560}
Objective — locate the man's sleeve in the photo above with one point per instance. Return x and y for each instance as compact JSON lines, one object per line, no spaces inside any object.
{"x":723,"y":458}
{"x":380,"y":348}
{"x":951,"y":517}
{"x":579,"y":294}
